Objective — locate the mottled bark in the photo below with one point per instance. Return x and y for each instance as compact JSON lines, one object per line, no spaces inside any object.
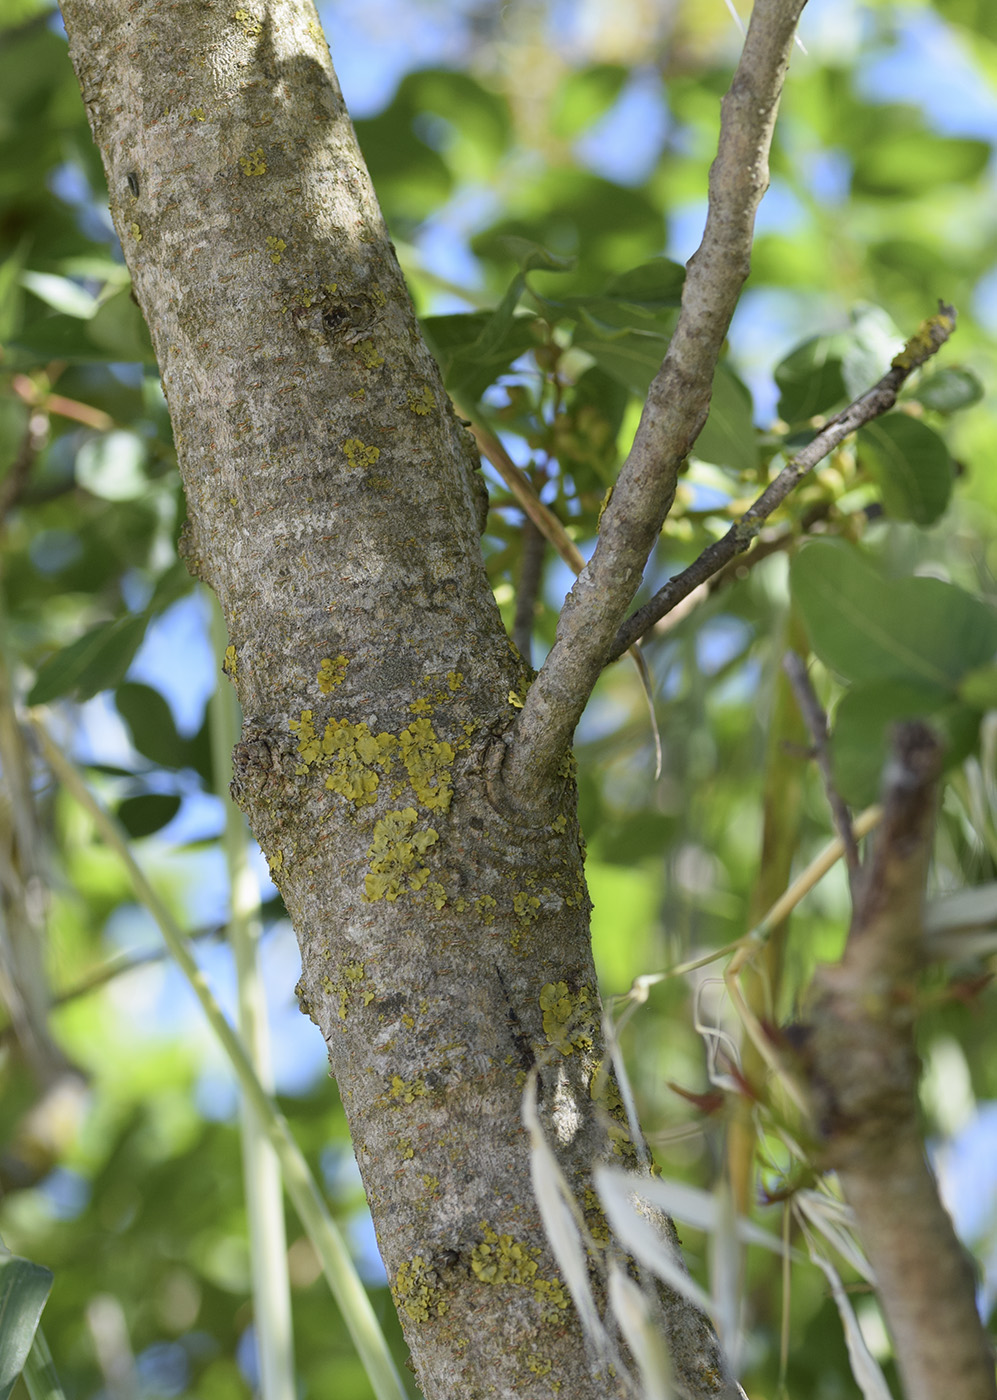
{"x":332,"y":507}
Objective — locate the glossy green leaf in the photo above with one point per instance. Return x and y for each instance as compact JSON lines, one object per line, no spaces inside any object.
{"x":911,"y":466}
{"x":867,"y":627}
{"x":96,"y":661}
{"x":863,"y":722}
{"x":728,"y":438}
{"x":949,"y":390}
{"x":24,"y":1289}
{"x":810,"y":379}
{"x":148,"y":813}
{"x":150,"y":724}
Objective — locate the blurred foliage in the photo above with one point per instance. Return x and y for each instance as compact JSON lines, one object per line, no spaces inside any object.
{"x":544,"y":174}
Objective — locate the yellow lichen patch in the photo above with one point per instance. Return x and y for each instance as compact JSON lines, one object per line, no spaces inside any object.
{"x":136,"y":233}
{"x":525,"y":906}
{"x":421,"y":402}
{"x":253,"y":163}
{"x":197,"y":113}
{"x":422,"y":706}
{"x":276,"y":247}
{"x":358,"y":454}
{"x":515,"y":700}
{"x":368,"y":356}
{"x":501,"y":1259}
{"x":406,"y":1090}
{"x":417,"y":1290}
{"x":431,"y":1183}
{"x":455,"y":679}
{"x":485,"y":905}
{"x":248,"y":23}
{"x":331,"y":673}
{"x":230,"y":664}
{"x":595,"y":1217}
{"x":277,"y":863}
{"x":539,"y":1365}
{"x":437,"y":894}
{"x":395,"y":852}
{"x":407,"y":1150}
{"x":352,"y":975}
{"x":568,"y":1017}
{"x":428,"y":762}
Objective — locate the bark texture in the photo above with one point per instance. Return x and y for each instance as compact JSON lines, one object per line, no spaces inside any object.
{"x":333,"y":508}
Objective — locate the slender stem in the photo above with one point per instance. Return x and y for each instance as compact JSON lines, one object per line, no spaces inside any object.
{"x":530,"y":578}
{"x":816,"y":721}
{"x":302,"y":1188}
{"x":929,"y":338}
{"x":261,"y":1170}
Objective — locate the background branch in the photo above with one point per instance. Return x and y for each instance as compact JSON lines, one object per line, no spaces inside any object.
{"x":863,"y":1074}
{"x":673,"y":415}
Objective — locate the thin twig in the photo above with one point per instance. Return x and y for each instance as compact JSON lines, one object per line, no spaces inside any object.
{"x":528,"y":588}
{"x":816,"y":721}
{"x":931,"y":335}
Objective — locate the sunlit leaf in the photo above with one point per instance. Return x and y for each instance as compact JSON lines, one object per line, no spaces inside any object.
{"x":949,"y":390}
{"x":728,"y":438}
{"x":96,"y":661}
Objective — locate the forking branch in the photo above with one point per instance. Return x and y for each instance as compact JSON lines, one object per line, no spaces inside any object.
{"x":673,"y":415}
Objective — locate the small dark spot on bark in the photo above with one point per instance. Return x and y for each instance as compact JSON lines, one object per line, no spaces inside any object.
{"x":133,"y":184}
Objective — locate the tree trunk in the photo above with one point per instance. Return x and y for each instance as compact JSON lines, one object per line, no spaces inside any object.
{"x":333,"y":507}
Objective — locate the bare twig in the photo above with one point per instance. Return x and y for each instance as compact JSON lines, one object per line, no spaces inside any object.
{"x":676,"y":408}
{"x":863,"y":1076}
{"x":931,"y":335}
{"x":816,"y":721}
{"x":528,"y":587}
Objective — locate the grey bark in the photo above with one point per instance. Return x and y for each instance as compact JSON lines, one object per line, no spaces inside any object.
{"x":332,"y":508}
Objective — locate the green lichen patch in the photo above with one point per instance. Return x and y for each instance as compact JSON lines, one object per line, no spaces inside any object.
{"x":501,"y":1259}
{"x":352,"y":975}
{"x":422,"y":402}
{"x":350,"y":751}
{"x":367,"y":354}
{"x":253,"y":163}
{"x":396,"y":856}
{"x":417,"y":1290}
{"x":568,"y":1017}
{"x":359,"y":454}
{"x":406,"y":1090}
{"x":331,"y":672}
{"x":428,"y":762}
{"x":276,"y":248}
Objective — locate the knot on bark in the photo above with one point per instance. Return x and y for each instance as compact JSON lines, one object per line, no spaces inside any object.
{"x":258,"y":763}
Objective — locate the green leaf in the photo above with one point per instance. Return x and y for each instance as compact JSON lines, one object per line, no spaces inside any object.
{"x":61,"y":294}
{"x":867,"y":347}
{"x":24,"y":1289}
{"x":949,"y":390}
{"x":467,"y":373}
{"x":979,"y":688}
{"x":863,"y":720}
{"x":584,"y":96}
{"x":911,"y":466}
{"x":110,"y":466}
{"x":632,"y":358}
{"x":810,"y":379}
{"x":910,"y":162}
{"x":728,"y":438}
{"x":96,"y":661}
{"x":119,"y":329}
{"x":867,"y":627}
{"x":150,"y":724}
{"x":147,"y":813}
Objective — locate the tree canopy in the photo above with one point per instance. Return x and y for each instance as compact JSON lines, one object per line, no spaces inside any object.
{"x":544,"y":176}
